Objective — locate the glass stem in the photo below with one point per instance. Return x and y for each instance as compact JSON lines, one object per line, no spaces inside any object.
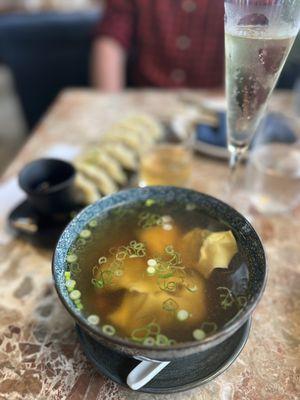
{"x":234,"y":164}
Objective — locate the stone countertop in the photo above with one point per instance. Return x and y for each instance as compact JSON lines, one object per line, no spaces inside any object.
{"x":40,"y":357}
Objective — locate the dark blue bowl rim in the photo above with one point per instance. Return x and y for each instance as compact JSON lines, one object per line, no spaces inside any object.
{"x":234,"y":218}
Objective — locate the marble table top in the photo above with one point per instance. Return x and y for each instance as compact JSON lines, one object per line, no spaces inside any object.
{"x":40,"y":357}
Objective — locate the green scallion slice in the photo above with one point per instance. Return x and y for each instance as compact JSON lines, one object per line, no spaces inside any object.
{"x":199,"y":334}
{"x":149,"y":341}
{"x":149,"y":202}
{"x":151,"y":270}
{"x":182,"y":315}
{"x":166,"y":219}
{"x":67,"y":275}
{"x":108,"y":330}
{"x":70,"y":285}
{"x":93,"y":223}
{"x":151,"y":262}
{"x":190,"y":207}
{"x":162,"y":340}
{"x":75,"y":295}
{"x":93,"y":319}
{"x":71,"y":258}
{"x":85,"y":233}
{"x":192,"y":289}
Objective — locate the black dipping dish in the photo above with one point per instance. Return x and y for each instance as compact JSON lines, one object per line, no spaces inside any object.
{"x":50,"y":204}
{"x":49,"y":185}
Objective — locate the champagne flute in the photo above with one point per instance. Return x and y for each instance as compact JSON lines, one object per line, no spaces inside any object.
{"x":259,"y":35}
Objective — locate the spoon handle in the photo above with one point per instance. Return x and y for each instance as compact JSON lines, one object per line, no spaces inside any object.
{"x":144,"y":372}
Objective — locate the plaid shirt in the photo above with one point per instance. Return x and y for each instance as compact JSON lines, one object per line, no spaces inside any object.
{"x":179,"y":43}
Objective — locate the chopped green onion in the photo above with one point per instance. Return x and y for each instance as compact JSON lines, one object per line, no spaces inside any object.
{"x":140,"y":334}
{"x":170,"y":305}
{"x":102,"y":260}
{"x":162,"y":340}
{"x":199,"y":334}
{"x":151,"y":270}
{"x":67,"y":275}
{"x":241,"y":301}
{"x":121,"y":255}
{"x":78,"y":304}
{"x":154,"y":328}
{"x":118,"y":272}
{"x":182,"y":315}
{"x":227,"y":298}
{"x":167,"y":227}
{"x":168,"y":286}
{"x":162,"y":267}
{"x":192,"y":289}
{"x":93,"y":319}
{"x":151,"y":262}
{"x":70,"y":285}
{"x":93,"y":223}
{"x":149,"y":341}
{"x":71,"y":258}
{"x":149,"y":202}
{"x":165,"y":276}
{"x":167,"y":219}
{"x":147,"y":220}
{"x":74,"y":268}
{"x":190,"y":207}
{"x":85,"y":234}
{"x":209,"y":327}
{"x":172,"y":342}
{"x":80,"y":242}
{"x":75,"y":295}
{"x":108,"y":330}
{"x":169,"y":249}
{"x":98,"y":283}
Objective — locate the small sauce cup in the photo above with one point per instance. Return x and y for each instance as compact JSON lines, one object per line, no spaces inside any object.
{"x":49,"y":185}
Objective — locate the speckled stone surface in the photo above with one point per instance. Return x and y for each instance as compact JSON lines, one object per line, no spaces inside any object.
{"x":40,"y":356}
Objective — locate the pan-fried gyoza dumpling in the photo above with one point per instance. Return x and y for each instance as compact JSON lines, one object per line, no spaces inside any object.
{"x":125,"y":156}
{"x":89,"y":193}
{"x":109,"y":164}
{"x":127,"y":138}
{"x":101,"y":179}
{"x":153,"y":127}
{"x":140,"y":131}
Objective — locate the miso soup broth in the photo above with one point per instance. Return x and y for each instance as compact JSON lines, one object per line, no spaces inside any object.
{"x":157,"y":274}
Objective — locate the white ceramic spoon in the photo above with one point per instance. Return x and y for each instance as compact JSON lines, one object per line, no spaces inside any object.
{"x":144,"y":372}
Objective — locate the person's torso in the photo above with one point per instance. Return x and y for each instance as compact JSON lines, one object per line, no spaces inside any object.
{"x":180,"y":42}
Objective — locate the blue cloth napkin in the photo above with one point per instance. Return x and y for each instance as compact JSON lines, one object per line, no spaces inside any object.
{"x":273,"y":128}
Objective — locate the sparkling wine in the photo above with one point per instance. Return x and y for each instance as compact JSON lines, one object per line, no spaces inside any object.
{"x":254,"y":59}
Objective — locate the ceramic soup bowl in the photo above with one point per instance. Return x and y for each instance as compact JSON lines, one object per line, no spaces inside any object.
{"x":249,"y":246}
